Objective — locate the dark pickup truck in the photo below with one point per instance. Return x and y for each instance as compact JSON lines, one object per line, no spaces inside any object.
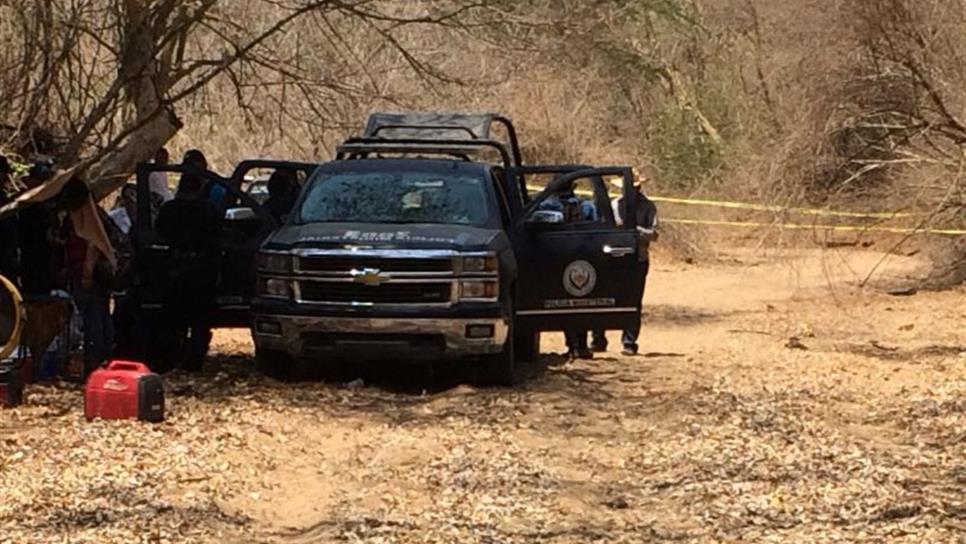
{"x":412,"y":244}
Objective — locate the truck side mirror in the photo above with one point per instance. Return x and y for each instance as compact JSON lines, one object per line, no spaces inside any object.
{"x":240,"y":214}
{"x":543,"y":217}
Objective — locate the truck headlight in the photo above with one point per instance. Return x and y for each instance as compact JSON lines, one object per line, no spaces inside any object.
{"x":480,"y":264}
{"x":275,"y":263}
{"x":479,"y":290}
{"x":274,"y":287}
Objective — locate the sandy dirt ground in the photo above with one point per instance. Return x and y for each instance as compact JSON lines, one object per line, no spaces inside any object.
{"x":774,"y":401}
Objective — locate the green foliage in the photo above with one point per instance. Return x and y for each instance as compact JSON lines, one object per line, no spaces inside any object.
{"x":683,"y":152}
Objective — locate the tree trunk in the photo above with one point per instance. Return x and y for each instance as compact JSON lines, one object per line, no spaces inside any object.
{"x":115,"y":168}
{"x":146,"y":82}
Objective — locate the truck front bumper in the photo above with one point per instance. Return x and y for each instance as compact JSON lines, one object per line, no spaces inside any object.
{"x":308,"y":337}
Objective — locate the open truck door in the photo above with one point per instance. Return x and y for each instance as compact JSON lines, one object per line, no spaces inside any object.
{"x":243,"y":227}
{"x":577,"y":269}
{"x":246,"y":225}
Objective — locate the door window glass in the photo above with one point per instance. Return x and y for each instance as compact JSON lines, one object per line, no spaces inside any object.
{"x":574,"y":204}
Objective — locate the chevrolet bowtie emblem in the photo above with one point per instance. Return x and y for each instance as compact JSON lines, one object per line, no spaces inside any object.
{"x":368,"y":276}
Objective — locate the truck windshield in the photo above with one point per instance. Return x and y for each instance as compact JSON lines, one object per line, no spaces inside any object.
{"x":395,"y":197}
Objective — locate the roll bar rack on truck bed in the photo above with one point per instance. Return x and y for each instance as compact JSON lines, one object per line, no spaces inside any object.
{"x":452,"y":134}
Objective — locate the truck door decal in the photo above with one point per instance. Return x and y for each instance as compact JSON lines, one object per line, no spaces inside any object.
{"x":580,"y":278}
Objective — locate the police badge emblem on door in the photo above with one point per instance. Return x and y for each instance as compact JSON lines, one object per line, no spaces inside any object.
{"x":579,"y":278}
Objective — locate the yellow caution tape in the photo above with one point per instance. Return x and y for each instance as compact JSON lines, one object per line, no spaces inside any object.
{"x":756,"y":207}
{"x":780,"y":209}
{"x":842,"y":228}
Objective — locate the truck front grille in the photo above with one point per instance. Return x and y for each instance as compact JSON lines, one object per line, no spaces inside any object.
{"x":346,"y":263}
{"x":387,"y":293}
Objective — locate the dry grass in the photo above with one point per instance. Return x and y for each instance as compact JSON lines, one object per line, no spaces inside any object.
{"x":721,"y":433}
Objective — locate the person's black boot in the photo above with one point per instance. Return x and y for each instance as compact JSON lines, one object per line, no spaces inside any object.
{"x":583,"y":353}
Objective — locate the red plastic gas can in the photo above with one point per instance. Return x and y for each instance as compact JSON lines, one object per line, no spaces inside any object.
{"x":124,"y":390}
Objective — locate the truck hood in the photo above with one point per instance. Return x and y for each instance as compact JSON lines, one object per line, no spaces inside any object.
{"x":386,"y":236}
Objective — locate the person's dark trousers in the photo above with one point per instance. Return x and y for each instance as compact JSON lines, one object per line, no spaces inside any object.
{"x":128,"y":339}
{"x":576,"y":339}
{"x":188,"y":308}
{"x":629,"y":335}
{"x":577,"y":344}
{"x":94,"y":306}
{"x":203,"y":296}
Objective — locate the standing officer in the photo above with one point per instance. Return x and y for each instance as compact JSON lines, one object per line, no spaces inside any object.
{"x":36,"y":221}
{"x":9,"y":264}
{"x":646,"y":224}
{"x":574,"y":210}
{"x":190,"y":224}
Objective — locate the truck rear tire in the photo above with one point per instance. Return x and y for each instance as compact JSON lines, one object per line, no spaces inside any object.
{"x":498,"y":369}
{"x":275,"y":364}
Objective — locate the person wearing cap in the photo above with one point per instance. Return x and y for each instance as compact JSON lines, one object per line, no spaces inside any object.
{"x":646,"y":226}
{"x":214,"y":192}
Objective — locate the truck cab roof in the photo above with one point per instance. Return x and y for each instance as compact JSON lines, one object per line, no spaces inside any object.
{"x":435,"y":165}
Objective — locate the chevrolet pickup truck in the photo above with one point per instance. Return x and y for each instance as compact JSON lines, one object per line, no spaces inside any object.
{"x":422,"y":240}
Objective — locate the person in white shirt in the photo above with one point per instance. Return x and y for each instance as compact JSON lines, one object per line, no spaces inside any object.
{"x":158,"y":181}
{"x":646,"y":225}
{"x":124,"y":213}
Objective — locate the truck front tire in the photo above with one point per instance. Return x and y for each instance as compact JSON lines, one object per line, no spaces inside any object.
{"x":498,"y":369}
{"x":275,"y":364}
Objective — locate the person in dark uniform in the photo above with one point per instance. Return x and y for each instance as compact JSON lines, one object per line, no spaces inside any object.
{"x":196,"y":160}
{"x":190,"y":224}
{"x":9,"y":264}
{"x":574,"y":210}
{"x":34,"y":228}
{"x":646,"y":225}
{"x":124,"y":221}
{"x":283,"y":190}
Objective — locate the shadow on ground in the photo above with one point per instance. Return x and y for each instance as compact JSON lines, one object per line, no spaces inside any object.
{"x":398,"y":394}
